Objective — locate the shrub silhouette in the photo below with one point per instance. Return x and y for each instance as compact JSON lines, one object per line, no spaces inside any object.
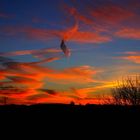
{"x":127,"y":91}
{"x":72,"y":103}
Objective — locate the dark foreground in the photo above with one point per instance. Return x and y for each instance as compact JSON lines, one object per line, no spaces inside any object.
{"x":56,"y":115}
{"x":62,"y":109}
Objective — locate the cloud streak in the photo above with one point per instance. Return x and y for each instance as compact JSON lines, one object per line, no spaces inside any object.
{"x":4,"y":15}
{"x":70,"y":34}
{"x":131,"y":56}
{"x":129,"y":33}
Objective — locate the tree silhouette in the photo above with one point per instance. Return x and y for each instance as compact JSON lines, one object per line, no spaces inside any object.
{"x":72,"y":103}
{"x":127,"y":91}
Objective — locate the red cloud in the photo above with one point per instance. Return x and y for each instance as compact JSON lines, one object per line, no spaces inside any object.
{"x":111,"y":14}
{"x":89,"y":37}
{"x":130,"y":33}
{"x":101,"y":17}
{"x":74,"y":34}
{"x":77,"y":16}
{"x":71,"y":34}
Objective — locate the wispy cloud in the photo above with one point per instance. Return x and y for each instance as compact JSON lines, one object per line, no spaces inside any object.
{"x":132,"y":53}
{"x":111,"y":14}
{"x":131,"y":56}
{"x":26,"y":79}
{"x":129,"y":33}
{"x":110,"y":18}
{"x":105,"y":14}
{"x":4,"y":15}
{"x":40,"y":53}
{"x":72,"y":34}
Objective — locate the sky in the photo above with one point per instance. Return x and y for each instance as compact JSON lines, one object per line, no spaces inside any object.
{"x":102,"y":38}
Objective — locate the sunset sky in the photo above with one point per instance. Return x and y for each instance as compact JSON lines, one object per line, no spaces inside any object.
{"x":102,"y":35}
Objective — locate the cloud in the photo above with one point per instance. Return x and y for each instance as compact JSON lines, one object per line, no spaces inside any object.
{"x":31,"y":52}
{"x":49,"y":91}
{"x":20,"y":76}
{"x":4,"y":15}
{"x":40,"y":54}
{"x":72,"y":11}
{"x":81,"y":74}
{"x":76,"y":35}
{"x":132,"y":58}
{"x":130,"y":33}
{"x":111,"y":14}
{"x":90,"y":22}
{"x":26,"y":81}
{"x":132,"y":53}
{"x":62,"y":97}
{"x":97,"y":23}
{"x":22,"y":80}
{"x":110,"y":18}
{"x":50,"y":99}
{"x":70,"y":34}
{"x":105,"y":16}
{"x":88,"y":91}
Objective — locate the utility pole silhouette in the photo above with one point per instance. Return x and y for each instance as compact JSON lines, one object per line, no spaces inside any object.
{"x":5,"y":100}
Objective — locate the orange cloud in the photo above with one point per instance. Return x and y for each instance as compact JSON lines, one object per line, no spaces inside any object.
{"x":26,"y":79}
{"x":84,"y":92}
{"x":64,"y":100}
{"x":62,"y":97}
{"x":81,"y":74}
{"x":132,"y":58}
{"x":22,"y":79}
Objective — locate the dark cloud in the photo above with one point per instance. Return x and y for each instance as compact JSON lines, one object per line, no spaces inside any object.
{"x":49,"y":91}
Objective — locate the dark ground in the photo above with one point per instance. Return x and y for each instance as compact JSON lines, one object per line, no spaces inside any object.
{"x":62,"y":109}
{"x":51,"y":118}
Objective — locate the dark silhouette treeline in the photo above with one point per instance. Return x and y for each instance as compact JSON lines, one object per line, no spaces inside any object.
{"x":70,"y":108}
